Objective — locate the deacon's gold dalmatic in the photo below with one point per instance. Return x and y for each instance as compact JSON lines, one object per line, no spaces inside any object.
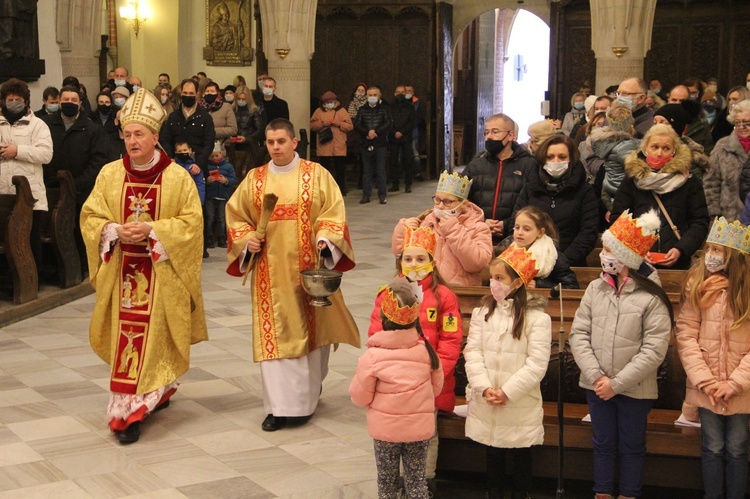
{"x":310,"y":205}
{"x":147,"y":313}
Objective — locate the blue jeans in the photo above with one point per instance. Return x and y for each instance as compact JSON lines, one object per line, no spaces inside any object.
{"x":215,"y":217}
{"x":725,"y":440}
{"x":619,"y":430}
{"x":373,"y":161}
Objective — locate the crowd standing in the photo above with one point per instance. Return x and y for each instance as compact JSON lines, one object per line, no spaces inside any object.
{"x":649,"y":168}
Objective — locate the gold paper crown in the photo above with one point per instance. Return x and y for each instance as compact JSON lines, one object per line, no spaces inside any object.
{"x":394,"y":313}
{"x":421,"y":237}
{"x":732,"y":235}
{"x":453,"y":183}
{"x":520,"y":260}
{"x":143,"y":108}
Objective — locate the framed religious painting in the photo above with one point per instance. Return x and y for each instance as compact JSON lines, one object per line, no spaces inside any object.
{"x":228,"y":33}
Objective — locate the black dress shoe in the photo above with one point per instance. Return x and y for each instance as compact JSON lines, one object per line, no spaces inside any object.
{"x":205,"y":253}
{"x":273,"y":423}
{"x":408,"y":190}
{"x":382,"y":200}
{"x":222,"y":244}
{"x":130,"y":435}
{"x":364,"y":200}
{"x":162,"y":406}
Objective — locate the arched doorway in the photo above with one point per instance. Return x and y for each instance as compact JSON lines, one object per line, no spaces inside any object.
{"x":500,"y":64}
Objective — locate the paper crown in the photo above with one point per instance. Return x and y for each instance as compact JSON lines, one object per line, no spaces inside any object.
{"x":143,"y":108}
{"x":421,"y":237}
{"x":453,"y":183}
{"x":630,"y":239}
{"x":521,"y":261}
{"x":732,"y":235}
{"x":389,"y":304}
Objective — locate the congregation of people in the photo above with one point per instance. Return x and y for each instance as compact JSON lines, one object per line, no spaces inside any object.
{"x":643,"y":180}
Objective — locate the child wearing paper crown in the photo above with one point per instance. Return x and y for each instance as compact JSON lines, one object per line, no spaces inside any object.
{"x":506,"y":358}
{"x":439,"y":318}
{"x":713,"y":338}
{"x":397,"y":379}
{"x":463,"y":241}
{"x":619,"y":338}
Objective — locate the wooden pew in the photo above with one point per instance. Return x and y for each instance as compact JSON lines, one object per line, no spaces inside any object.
{"x":58,"y":225}
{"x":673,"y":453}
{"x":16,"y":212}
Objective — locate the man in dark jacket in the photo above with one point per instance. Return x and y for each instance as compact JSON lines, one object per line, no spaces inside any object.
{"x":499,"y":174}
{"x":51,"y":105}
{"x":373,"y":122}
{"x":78,"y":146}
{"x":191,"y":124}
{"x":400,"y":139}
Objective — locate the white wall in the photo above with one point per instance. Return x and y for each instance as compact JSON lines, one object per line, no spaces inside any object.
{"x":49,"y":50}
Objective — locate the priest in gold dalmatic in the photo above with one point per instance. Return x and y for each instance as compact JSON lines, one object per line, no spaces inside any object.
{"x":291,"y":338}
{"x":143,"y":228}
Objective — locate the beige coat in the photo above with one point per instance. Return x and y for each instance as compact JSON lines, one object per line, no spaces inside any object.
{"x":711,"y":351}
{"x":341,"y":125}
{"x":494,"y":359}
{"x":225,"y":122}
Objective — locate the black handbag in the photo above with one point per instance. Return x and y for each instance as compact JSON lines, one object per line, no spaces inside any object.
{"x":325,"y":135}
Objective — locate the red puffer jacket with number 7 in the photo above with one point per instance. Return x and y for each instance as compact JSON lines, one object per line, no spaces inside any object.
{"x":442,"y":328}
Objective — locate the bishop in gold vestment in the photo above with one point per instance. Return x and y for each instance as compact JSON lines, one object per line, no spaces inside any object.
{"x":149,"y":306}
{"x":291,"y":338}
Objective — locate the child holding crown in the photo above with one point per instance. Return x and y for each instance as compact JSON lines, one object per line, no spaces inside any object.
{"x":713,"y":338}
{"x":464,"y":242}
{"x":506,"y":358}
{"x":397,"y":378}
{"x":439,"y":318}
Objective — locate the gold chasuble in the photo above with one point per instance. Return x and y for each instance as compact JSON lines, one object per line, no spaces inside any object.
{"x":310,"y":206}
{"x":149,"y":306}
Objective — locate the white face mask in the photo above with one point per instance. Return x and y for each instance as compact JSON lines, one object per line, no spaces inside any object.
{"x":120,"y":83}
{"x":748,"y":85}
{"x":268,"y":92}
{"x":136,"y":88}
{"x":408,"y":96}
{"x":119,"y":102}
{"x":556,"y":169}
{"x":499,"y":290}
{"x":439,"y":214}
{"x":714,"y":263}
{"x":610,"y":264}
{"x":229,"y":97}
{"x":329,"y":105}
{"x":163,"y":100}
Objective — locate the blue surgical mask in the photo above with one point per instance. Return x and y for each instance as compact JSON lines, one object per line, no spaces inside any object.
{"x":329,"y":105}
{"x":119,"y":102}
{"x":372,"y":100}
{"x":628,"y":101}
{"x":52,"y":108}
{"x":120,"y":83}
{"x":135,"y":88}
{"x":578,"y":105}
{"x":242,"y":103}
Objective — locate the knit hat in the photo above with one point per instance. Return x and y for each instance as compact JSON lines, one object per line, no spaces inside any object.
{"x":630,"y":239}
{"x":453,"y":183}
{"x":389,"y":304}
{"x":421,"y":237}
{"x":230,"y":88}
{"x":541,"y":130}
{"x":328,"y":97}
{"x":676,"y":115}
{"x":122,"y":91}
{"x":732,"y":235}
{"x":620,"y":117}
{"x":589,"y":102}
{"x":145,"y":109}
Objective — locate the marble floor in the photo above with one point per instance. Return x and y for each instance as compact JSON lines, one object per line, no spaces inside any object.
{"x":54,"y":440}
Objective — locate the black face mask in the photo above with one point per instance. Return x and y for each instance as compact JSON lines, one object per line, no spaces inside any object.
{"x":494,"y":147}
{"x":69,"y":109}
{"x":188,"y":100}
{"x":210,"y":98}
{"x":104,"y":109}
{"x":400,"y":98}
{"x":182,"y":156}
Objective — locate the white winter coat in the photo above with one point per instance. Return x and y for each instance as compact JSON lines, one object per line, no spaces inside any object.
{"x":494,"y":359}
{"x":623,"y":334}
{"x":34,"y":142}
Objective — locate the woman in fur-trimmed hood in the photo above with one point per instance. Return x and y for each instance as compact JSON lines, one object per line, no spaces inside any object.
{"x":660,"y":169}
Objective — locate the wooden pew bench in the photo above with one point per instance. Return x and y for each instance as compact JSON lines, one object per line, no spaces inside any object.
{"x":16,"y":213}
{"x":57,"y":228}
{"x":673,"y":453}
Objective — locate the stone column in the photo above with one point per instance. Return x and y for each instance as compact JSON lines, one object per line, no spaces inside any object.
{"x":289,"y":44}
{"x":620,"y":39}
{"x":79,"y":29}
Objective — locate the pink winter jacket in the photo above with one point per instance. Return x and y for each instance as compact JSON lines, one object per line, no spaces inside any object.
{"x":711,"y":351}
{"x":464,"y":245}
{"x":342,"y":125}
{"x":395,"y":381}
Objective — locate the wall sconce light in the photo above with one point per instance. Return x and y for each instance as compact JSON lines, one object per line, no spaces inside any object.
{"x":135,"y":13}
{"x":619,"y":51}
{"x":282,"y":53}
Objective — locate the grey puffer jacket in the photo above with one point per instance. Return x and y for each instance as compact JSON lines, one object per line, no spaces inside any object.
{"x":612,"y":147}
{"x":722,"y":182}
{"x":622,"y":334}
